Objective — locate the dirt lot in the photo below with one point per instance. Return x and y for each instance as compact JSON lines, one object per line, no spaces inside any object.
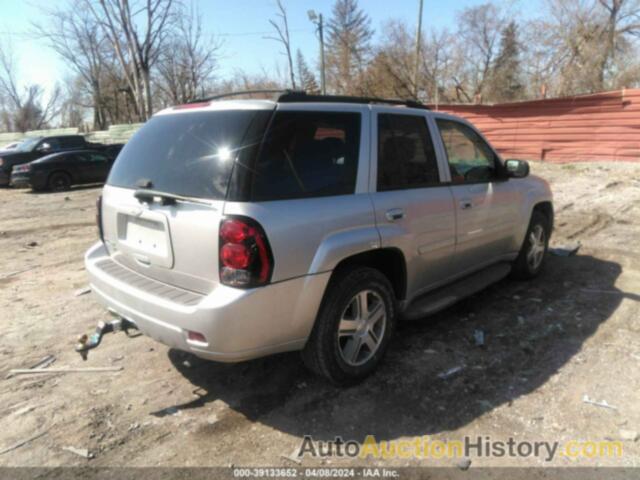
{"x":572,"y":332}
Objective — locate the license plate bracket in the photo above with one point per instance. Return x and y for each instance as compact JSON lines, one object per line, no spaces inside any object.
{"x":146,"y":237}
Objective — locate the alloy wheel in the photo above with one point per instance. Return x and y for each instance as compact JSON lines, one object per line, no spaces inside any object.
{"x":537,"y":244}
{"x":362,"y":327}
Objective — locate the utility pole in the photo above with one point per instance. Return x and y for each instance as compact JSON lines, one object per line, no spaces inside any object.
{"x":316,"y":18}
{"x":416,"y":71}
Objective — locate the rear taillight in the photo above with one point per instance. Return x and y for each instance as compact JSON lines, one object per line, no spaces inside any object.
{"x":244,"y":253}
{"x":99,"y":218}
{"x":22,"y":168}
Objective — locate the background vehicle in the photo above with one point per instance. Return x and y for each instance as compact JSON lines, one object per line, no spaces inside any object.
{"x":33,"y":148}
{"x":10,"y":146}
{"x":61,"y":170}
{"x":239,"y":229}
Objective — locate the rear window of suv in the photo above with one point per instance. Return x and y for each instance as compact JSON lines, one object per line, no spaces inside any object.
{"x":190,"y":153}
{"x":307,"y":154}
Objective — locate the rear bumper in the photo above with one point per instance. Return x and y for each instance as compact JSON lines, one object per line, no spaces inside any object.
{"x":237,"y":324}
{"x":20,"y":181}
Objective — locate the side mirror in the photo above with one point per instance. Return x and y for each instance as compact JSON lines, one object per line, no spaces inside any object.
{"x":45,"y":147}
{"x":516,"y":168}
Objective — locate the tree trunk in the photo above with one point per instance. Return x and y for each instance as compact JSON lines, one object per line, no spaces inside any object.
{"x":146,"y":87}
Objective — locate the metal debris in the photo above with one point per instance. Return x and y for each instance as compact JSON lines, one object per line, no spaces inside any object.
{"x":45,"y":362}
{"x":41,"y":365}
{"x":450,"y":372}
{"x":598,"y":403}
{"x":82,"y":452}
{"x":22,"y":442}
{"x":293,"y":457}
{"x":82,"y":291}
{"x":27,"y":371}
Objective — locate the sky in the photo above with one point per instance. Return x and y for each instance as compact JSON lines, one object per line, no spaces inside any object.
{"x":241,"y":25}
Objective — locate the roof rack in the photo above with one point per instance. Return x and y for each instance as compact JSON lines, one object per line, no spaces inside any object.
{"x":297,"y":96}
{"x":290,"y":96}
{"x":239,"y":93}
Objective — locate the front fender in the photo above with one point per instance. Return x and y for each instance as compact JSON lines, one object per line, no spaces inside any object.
{"x":536,"y":191}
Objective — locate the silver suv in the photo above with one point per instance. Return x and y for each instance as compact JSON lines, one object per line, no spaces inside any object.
{"x":238,"y":229}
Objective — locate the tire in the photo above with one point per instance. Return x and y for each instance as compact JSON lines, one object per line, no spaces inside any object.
{"x":59,"y":182}
{"x":532,"y":254}
{"x":346,"y":345}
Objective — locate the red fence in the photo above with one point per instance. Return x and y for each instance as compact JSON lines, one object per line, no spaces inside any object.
{"x":602,"y":126}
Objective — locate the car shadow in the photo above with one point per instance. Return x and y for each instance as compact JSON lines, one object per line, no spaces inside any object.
{"x":435,"y":376}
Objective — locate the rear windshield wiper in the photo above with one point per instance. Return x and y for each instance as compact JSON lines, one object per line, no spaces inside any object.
{"x":165,"y":198}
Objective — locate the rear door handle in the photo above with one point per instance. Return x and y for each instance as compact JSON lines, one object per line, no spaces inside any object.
{"x":466,"y":204}
{"x":394,"y":214}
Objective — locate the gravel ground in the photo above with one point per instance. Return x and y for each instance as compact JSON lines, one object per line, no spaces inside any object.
{"x":572,"y":332}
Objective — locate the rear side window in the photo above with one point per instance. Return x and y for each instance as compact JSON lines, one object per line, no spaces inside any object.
{"x":190,"y":154}
{"x":54,"y":144}
{"x":307,"y":154}
{"x":71,"y":142}
{"x":406,"y":158}
{"x":96,"y":157}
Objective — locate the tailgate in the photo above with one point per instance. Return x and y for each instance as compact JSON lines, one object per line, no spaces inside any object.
{"x":175,"y":244}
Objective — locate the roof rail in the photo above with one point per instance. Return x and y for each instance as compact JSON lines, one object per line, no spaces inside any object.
{"x":299,"y":96}
{"x":290,"y":96}
{"x":243,"y":92}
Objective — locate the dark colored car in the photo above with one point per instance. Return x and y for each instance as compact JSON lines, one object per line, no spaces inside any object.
{"x":32,"y":148}
{"x":59,"y":171}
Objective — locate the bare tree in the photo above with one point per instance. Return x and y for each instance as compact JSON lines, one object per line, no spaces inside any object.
{"x":621,"y":19}
{"x":75,"y":36}
{"x":282,"y":30}
{"x":24,"y":105}
{"x":73,"y":108}
{"x":390,"y":72}
{"x":439,"y":66}
{"x":583,"y":46}
{"x":187,"y":63}
{"x":242,"y":81}
{"x":137,"y":31}
{"x":479,"y":30}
